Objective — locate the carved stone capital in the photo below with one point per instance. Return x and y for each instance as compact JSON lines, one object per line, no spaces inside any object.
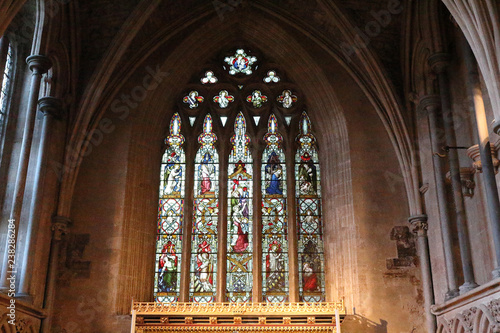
{"x":419,"y":224}
{"x":60,"y":227}
{"x":467,"y":180}
{"x":439,"y":62}
{"x":50,"y":106}
{"x":39,"y":64}
{"x":475,"y":155}
{"x":430,"y":103}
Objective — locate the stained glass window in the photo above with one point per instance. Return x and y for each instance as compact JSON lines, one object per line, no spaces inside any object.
{"x":4,"y":91}
{"x":239,"y":219}
{"x":206,"y":208}
{"x":274,"y":217}
{"x":310,"y":229}
{"x":227,"y":89}
{"x":170,"y":216}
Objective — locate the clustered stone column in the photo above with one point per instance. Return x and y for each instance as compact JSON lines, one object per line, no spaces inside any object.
{"x":432,"y":105}
{"x":39,"y":65}
{"x":490,"y":185}
{"x":439,"y":63}
{"x":419,"y":226}
{"x":51,"y":107}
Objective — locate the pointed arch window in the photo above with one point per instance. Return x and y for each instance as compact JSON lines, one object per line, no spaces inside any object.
{"x":238,"y":233}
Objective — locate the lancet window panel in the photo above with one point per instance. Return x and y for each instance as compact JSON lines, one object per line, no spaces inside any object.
{"x":239,"y":96}
{"x":170,"y":216}
{"x":203,"y":286}
{"x":240,"y":226}
{"x":309,"y":218}
{"x":274,"y":217}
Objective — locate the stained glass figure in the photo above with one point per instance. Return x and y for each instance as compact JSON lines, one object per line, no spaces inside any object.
{"x":239,"y":222}
{"x":310,"y":229}
{"x":240,"y":63}
{"x":193,"y":99}
{"x":170,"y":216}
{"x":209,"y":78}
{"x":206,"y":207}
{"x":287,"y":99}
{"x":274,"y":217}
{"x":271,"y":77}
{"x":257,"y":99}
{"x":223,"y":99}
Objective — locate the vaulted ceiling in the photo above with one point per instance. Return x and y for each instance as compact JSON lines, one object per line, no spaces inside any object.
{"x":101,"y":20}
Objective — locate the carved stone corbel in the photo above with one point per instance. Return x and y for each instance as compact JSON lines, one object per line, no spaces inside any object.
{"x":467,"y":180}
{"x":60,"y":227}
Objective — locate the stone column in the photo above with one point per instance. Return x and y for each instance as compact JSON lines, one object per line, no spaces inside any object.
{"x":432,"y":104}
{"x":52,"y":109}
{"x":490,"y":185}
{"x":439,"y":63}
{"x":60,"y":227}
{"x":419,"y":226}
{"x":39,"y":65}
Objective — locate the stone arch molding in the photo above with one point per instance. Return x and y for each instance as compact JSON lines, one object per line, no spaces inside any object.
{"x":363,"y":67}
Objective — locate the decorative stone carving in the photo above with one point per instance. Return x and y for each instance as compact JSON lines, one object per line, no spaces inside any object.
{"x":164,"y":320}
{"x":213,"y":320}
{"x":311,"y":320}
{"x":419,"y":224}
{"x":237,"y":320}
{"x":467,"y":180}
{"x":473,"y":153}
{"x":60,"y":226}
{"x":262,"y":320}
{"x":287,"y":320}
{"x":468,"y":318}
{"x":139,"y":320}
{"x":188,"y":320}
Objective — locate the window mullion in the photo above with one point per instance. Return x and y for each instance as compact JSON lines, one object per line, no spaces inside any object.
{"x":222,"y":220}
{"x":292,"y":224}
{"x":257,"y":228}
{"x":188,"y":220}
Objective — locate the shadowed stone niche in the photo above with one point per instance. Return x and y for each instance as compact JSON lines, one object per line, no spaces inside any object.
{"x":405,"y":244}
